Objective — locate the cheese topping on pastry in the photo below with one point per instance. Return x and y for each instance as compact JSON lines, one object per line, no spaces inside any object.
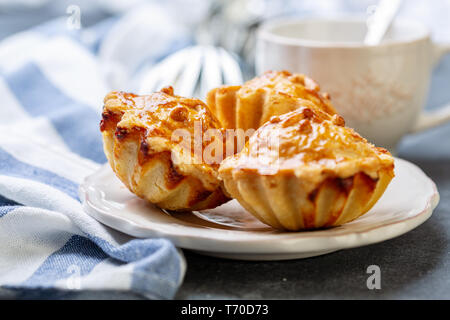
{"x":158,"y":116}
{"x":289,"y":85}
{"x":160,"y":113}
{"x":274,"y":93}
{"x":312,"y":144}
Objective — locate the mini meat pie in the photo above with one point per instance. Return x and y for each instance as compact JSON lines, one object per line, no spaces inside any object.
{"x":138,"y":135}
{"x":254,"y":103}
{"x":305,"y":170}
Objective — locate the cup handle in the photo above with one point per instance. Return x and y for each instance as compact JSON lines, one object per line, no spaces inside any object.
{"x":431,"y":119}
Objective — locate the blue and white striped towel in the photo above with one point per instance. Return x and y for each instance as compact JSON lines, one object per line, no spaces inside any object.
{"x":51,"y":93}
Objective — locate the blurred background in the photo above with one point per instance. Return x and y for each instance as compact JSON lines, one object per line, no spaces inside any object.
{"x":58,"y":59}
{"x":129,"y":38}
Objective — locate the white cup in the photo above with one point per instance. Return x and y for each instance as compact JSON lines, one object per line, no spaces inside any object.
{"x":379,"y":90}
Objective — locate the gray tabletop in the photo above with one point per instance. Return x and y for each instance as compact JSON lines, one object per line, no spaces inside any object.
{"x":415,"y":265}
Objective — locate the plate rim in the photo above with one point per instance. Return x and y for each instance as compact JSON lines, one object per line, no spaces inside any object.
{"x":290,"y":241}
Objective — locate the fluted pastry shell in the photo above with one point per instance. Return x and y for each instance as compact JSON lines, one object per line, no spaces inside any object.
{"x":256,"y":101}
{"x":138,"y":143}
{"x":316,"y":173}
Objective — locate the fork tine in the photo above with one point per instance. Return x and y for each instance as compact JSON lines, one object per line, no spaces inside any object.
{"x":231,"y":71}
{"x":173,"y":66}
{"x":164,"y":73}
{"x":189,"y":77}
{"x":211,"y":71}
{"x":150,"y":80}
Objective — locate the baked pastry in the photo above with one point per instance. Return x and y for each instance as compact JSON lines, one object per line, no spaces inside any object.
{"x":144,"y":143}
{"x":306,"y":170}
{"x":254,"y":103}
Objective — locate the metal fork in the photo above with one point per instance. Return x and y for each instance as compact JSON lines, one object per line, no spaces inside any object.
{"x":193,"y":71}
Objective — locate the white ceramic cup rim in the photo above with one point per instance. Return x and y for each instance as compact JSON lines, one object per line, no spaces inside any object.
{"x":266,"y":32}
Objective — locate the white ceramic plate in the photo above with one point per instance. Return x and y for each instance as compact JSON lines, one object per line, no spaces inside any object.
{"x":230,"y":232}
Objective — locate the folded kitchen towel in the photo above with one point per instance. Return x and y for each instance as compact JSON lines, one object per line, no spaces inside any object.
{"x":51,"y":90}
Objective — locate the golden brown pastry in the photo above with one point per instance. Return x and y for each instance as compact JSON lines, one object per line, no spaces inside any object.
{"x":138,"y":135}
{"x":254,"y":103}
{"x":305,"y":170}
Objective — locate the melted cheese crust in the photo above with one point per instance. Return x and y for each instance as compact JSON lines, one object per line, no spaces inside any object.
{"x":288,"y":85}
{"x":311,"y":144}
{"x":160,"y":113}
{"x":274,"y":93}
